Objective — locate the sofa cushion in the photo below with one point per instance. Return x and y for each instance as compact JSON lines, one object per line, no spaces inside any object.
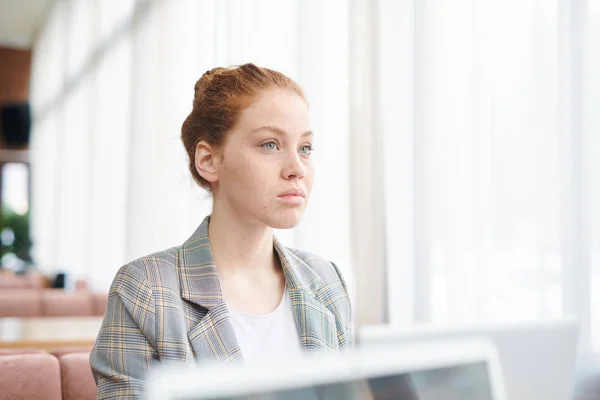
{"x":30,"y":376}
{"x":20,"y":303}
{"x":61,"y":303}
{"x":77,"y":379}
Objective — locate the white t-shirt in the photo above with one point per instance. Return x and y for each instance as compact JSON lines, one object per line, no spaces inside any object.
{"x":270,"y":335}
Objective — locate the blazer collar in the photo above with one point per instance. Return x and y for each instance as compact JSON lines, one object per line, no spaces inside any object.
{"x":200,"y":285}
{"x":197,"y":270}
{"x":200,"y":281}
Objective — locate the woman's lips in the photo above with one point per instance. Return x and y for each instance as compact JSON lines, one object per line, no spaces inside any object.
{"x":292,"y":199}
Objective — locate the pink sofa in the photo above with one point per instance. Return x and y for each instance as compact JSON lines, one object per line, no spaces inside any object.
{"x":51,"y":303}
{"x":30,"y":376}
{"x":20,"y":303}
{"x":99,"y":301}
{"x":31,"y":280}
{"x":26,"y":375}
{"x":60,"y":303}
{"x":77,"y":380}
{"x":58,"y":353}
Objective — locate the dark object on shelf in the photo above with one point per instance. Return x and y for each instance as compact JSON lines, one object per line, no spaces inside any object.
{"x":59,"y":281}
{"x":16,"y":124}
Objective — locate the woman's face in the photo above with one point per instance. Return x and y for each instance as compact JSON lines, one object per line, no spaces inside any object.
{"x":265,"y":156}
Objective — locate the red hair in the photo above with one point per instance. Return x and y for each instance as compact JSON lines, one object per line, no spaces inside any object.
{"x":220,"y":95}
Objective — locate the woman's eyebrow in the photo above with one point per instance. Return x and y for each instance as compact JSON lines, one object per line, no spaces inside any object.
{"x":278,"y":131}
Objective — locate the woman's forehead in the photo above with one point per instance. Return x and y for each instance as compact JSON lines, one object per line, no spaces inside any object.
{"x":274,"y":106}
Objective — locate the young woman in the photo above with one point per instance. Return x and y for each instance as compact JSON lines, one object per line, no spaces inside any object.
{"x":231,"y":292}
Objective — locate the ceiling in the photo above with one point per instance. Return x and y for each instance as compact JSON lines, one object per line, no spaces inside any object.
{"x":20,"y":20}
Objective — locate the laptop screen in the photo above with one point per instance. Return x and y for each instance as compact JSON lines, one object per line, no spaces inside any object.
{"x":460,"y":382}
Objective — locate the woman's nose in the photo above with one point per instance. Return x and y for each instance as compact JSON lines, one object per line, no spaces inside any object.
{"x":294,"y":168}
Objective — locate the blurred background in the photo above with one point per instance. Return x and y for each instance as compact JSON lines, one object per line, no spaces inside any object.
{"x":457,"y":145}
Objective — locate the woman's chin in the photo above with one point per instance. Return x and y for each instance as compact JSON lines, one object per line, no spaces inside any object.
{"x":287,"y":220}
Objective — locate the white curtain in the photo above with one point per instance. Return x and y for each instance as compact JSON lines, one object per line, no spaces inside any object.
{"x":488,"y":157}
{"x":112,"y":83}
{"x":456,"y":143}
{"x":592,"y":146}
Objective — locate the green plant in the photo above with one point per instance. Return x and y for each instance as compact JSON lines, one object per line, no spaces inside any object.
{"x":19,"y":225}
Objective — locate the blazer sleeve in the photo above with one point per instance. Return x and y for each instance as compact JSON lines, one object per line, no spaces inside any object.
{"x":125,"y":347}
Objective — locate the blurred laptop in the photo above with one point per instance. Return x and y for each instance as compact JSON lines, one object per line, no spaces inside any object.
{"x":447,"y":369}
{"x":537,"y":358}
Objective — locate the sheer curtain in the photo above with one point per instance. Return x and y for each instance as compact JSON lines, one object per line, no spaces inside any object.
{"x":111,"y":85}
{"x":488,"y":158}
{"x":592,"y":128}
{"x":456,"y":144}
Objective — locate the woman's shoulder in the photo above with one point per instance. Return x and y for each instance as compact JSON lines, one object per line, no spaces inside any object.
{"x":332,"y":290}
{"x":325,"y":269}
{"x":156,"y":268}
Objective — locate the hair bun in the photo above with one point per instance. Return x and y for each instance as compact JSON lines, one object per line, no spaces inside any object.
{"x":206,"y":79}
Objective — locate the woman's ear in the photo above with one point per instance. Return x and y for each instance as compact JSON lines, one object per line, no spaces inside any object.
{"x":207,"y":160}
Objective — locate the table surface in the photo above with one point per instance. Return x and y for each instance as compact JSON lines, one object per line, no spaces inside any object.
{"x":48,"y":332}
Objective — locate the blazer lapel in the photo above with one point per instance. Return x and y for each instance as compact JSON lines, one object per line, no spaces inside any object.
{"x":316,"y":324}
{"x":213,"y":338}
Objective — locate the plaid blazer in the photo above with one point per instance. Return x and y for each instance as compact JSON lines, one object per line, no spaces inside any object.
{"x":168,"y":307}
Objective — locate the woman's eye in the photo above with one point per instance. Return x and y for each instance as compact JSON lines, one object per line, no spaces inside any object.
{"x":306,"y":149}
{"x":270,"y":146}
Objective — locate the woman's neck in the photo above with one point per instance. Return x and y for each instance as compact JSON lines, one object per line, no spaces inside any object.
{"x":240,"y":246}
